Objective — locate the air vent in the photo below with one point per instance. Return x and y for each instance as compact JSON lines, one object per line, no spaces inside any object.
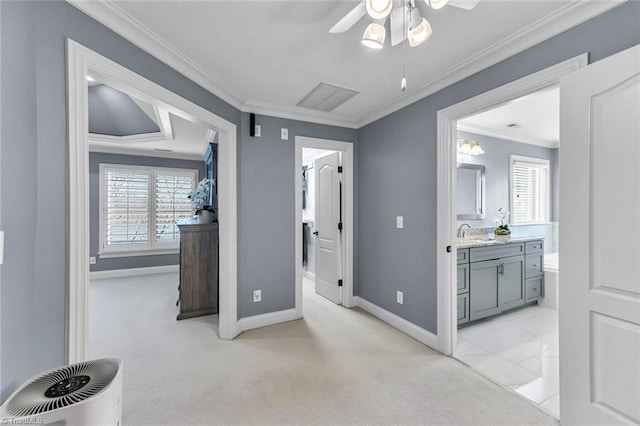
{"x":513,"y":125}
{"x":327,"y":97}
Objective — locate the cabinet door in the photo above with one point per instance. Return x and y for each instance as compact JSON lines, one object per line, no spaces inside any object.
{"x":484,"y":289}
{"x":511,"y":282}
{"x":463,"y":308}
{"x":463,"y":278}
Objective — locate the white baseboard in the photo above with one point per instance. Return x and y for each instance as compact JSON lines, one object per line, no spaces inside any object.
{"x":420,"y":334}
{"x":133,"y":272}
{"x":263,"y":320}
{"x":309,"y":275}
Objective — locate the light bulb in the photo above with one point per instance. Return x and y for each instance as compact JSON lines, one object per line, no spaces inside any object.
{"x":373,"y":36}
{"x":379,"y":9}
{"x":437,"y":4}
{"x":420,"y":33}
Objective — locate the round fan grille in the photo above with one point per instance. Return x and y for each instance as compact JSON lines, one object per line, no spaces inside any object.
{"x":62,"y":387}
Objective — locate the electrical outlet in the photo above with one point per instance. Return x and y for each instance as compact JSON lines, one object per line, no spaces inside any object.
{"x":399,"y":222}
{"x":258,"y":131}
{"x":284,"y":134}
{"x":92,"y":260}
{"x":257,"y":295}
{"x":400,"y":297}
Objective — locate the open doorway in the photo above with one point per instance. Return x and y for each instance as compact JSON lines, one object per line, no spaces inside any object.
{"x":530,"y":289}
{"x":81,"y":63}
{"x":507,"y":181}
{"x":145,"y":165}
{"x":324,"y":220}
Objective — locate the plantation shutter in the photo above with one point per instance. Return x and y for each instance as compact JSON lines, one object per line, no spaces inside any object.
{"x":530,"y":192}
{"x":172,"y":204}
{"x":127,"y":207}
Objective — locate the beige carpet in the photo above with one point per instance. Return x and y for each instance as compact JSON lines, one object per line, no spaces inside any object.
{"x":336,"y":366}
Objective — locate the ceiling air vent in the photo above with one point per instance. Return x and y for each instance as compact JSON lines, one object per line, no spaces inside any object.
{"x":327,"y":97}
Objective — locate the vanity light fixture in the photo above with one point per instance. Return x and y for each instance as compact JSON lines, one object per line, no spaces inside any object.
{"x":468,"y":147}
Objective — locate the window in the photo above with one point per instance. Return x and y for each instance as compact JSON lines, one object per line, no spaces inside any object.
{"x":529,"y":195}
{"x":140,"y":206}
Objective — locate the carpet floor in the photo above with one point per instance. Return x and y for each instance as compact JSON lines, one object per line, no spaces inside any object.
{"x":335,"y":366}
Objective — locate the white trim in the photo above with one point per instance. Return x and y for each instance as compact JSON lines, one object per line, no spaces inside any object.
{"x":137,"y":253}
{"x":309,"y":275}
{"x":420,"y":334}
{"x":346,"y":148}
{"x":446,"y":166}
{"x":494,"y":133}
{"x":112,"y":16}
{"x":103,"y":147}
{"x":162,"y":120}
{"x":133,"y":272}
{"x":80,"y":60}
{"x":264,"y":320}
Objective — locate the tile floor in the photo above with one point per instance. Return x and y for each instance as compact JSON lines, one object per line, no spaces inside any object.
{"x":518,"y":350}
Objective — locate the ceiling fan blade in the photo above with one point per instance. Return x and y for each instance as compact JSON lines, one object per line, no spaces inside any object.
{"x":349,"y":19}
{"x":398,"y":28}
{"x":463,"y":4}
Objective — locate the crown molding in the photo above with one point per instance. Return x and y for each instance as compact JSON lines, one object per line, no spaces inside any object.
{"x":113,"y":17}
{"x":567,"y":17}
{"x":302,"y":114}
{"x":106,"y":148}
{"x":486,"y":131}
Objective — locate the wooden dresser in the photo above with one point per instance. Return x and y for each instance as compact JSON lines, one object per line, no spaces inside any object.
{"x":198,"y":269}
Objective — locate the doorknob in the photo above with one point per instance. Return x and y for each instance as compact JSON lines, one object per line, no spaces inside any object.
{"x":315,"y":233}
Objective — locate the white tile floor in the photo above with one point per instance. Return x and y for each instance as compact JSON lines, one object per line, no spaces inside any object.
{"x":518,"y":350}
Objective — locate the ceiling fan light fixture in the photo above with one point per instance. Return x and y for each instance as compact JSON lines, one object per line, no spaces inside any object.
{"x":373,"y":36}
{"x":436,"y":4}
{"x":419,"y":33}
{"x":379,"y":9}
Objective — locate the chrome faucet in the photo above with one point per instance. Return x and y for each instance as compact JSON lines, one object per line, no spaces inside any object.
{"x":461,"y":232}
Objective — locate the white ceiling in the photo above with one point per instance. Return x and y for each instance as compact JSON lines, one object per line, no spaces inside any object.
{"x":537,"y":116}
{"x":183,"y":139}
{"x":265,"y":56}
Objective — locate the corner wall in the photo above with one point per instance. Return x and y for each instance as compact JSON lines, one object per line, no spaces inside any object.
{"x":397,"y":168}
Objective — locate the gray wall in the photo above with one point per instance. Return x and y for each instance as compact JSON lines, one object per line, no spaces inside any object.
{"x":397,"y":168}
{"x":95,"y":158}
{"x":33,"y":176}
{"x":497,"y":159}
{"x":267,"y":213}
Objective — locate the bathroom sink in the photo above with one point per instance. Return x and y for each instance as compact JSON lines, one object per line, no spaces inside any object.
{"x":475,"y":242}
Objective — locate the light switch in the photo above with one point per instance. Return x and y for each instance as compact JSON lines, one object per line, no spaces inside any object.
{"x":1,"y":247}
{"x":258,"y":131}
{"x":399,"y":222}
{"x":284,"y":134}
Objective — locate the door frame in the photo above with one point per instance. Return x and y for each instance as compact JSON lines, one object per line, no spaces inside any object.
{"x":346,"y":148}
{"x":446,"y":182}
{"x":80,"y":61}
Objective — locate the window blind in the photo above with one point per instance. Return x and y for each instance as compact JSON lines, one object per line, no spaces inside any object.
{"x":530,"y":191}
{"x":127,"y":208}
{"x":172,"y":204}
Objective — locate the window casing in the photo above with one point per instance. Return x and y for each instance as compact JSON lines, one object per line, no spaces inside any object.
{"x":139,"y":207}
{"x":529,"y":195}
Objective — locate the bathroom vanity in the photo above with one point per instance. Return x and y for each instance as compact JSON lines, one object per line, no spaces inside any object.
{"x":496,"y":277}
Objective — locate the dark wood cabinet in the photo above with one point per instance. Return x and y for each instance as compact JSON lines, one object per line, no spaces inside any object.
{"x":198,"y":269}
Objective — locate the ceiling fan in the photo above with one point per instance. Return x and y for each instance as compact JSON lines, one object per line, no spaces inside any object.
{"x":415,"y":27}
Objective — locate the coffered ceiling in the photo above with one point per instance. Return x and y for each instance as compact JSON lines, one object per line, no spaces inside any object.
{"x":265,"y":56}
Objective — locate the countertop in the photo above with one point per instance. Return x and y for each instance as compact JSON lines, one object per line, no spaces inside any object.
{"x":472,"y":242}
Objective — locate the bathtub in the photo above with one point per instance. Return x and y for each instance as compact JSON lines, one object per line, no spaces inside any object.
{"x":551,"y":279}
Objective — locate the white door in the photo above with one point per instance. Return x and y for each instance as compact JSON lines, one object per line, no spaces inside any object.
{"x":328,"y":265}
{"x":599,"y":303}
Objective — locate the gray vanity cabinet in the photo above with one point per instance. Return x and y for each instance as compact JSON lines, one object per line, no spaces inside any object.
{"x":500,"y":278}
{"x":496,"y":285}
{"x":463,"y":286}
{"x":484,"y":290}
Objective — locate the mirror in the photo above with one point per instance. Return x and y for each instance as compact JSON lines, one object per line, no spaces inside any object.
{"x":470,"y":193}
